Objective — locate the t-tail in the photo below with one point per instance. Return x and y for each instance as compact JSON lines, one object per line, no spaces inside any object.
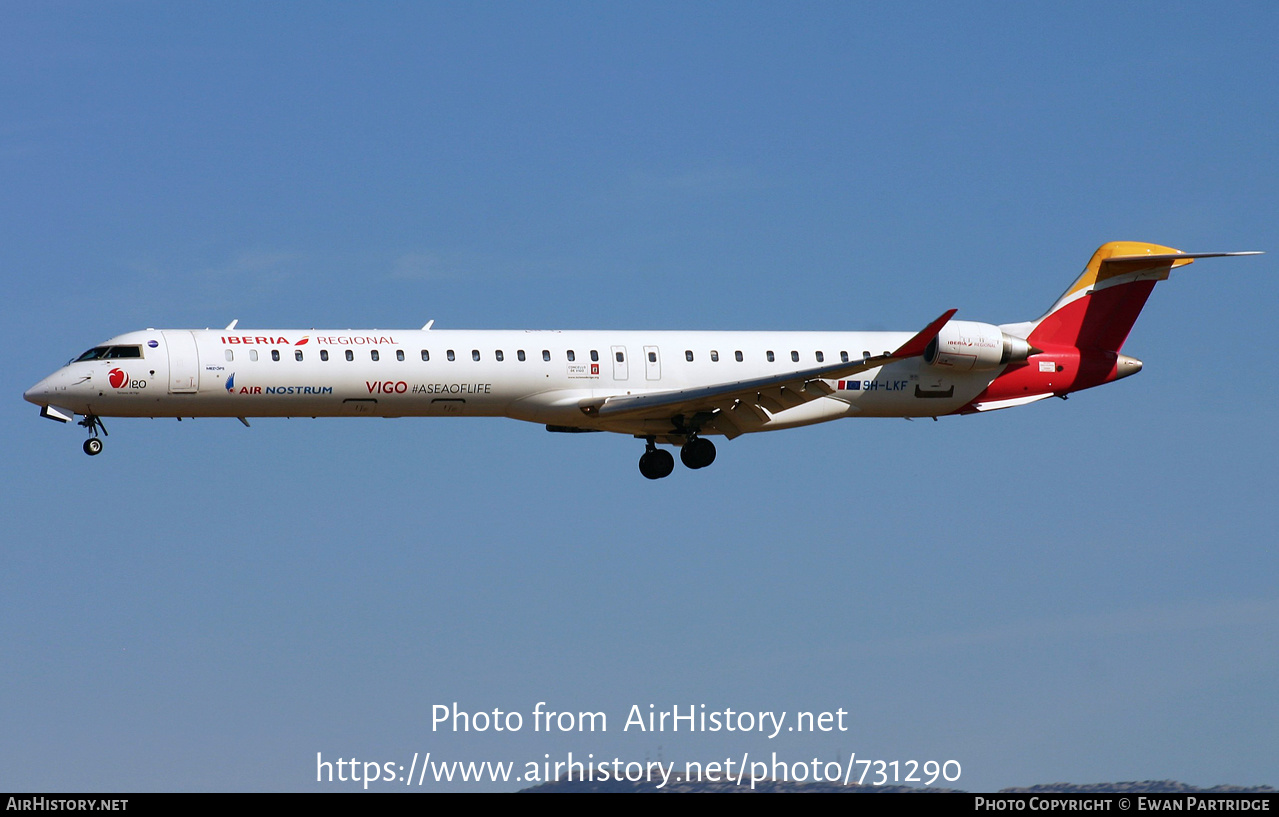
{"x":1101,"y":306}
{"x":1076,"y":344}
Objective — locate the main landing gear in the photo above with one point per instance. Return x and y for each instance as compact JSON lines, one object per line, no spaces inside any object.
{"x":657,"y":463}
{"x":698,"y":452}
{"x":93,"y":446}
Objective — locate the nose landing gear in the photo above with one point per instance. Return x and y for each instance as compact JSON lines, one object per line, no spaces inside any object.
{"x":93,"y":445}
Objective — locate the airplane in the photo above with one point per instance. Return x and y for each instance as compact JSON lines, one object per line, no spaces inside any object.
{"x":671,"y":387}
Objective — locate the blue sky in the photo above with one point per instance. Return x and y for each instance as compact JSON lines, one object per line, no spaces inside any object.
{"x":1078,"y":591}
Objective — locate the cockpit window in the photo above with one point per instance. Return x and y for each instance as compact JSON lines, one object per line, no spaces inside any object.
{"x":96,"y":353}
{"x":110,"y":353}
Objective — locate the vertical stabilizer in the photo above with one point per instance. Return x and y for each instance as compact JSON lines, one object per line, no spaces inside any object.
{"x":1101,"y":306}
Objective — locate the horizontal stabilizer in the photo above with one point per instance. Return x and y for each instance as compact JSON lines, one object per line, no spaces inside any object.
{"x":1179,"y":255}
{"x":1117,"y":265}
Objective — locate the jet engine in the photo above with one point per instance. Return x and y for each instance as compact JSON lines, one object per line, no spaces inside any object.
{"x":964,"y":346}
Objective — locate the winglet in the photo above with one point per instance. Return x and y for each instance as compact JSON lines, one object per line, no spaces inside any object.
{"x":916,"y":345}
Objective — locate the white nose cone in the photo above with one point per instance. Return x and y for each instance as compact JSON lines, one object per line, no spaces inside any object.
{"x":38,"y":394}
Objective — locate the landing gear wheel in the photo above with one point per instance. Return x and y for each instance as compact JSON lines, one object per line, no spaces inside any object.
{"x":697,"y":453}
{"x":93,"y":446}
{"x":656,"y":464}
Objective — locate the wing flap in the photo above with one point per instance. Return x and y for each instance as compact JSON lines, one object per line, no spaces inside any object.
{"x":725,"y":423}
{"x":746,"y":414}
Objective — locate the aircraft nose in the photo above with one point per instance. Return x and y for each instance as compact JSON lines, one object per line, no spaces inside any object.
{"x":37,"y":393}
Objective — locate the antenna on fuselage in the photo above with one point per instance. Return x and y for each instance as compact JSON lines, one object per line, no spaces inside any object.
{"x":231,"y":325}
{"x":428,"y":325}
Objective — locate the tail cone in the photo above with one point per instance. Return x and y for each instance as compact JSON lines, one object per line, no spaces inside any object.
{"x":1125,"y":365}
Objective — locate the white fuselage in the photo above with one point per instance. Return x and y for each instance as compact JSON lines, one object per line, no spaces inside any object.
{"x":537,"y":376}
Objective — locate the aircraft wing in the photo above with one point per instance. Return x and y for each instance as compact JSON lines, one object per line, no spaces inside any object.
{"x":740,"y":405}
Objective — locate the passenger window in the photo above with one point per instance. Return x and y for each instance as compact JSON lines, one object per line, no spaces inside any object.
{"x":821,"y":358}
{"x":546,"y":355}
{"x":621,"y":357}
{"x":498,"y":354}
{"x":595,"y":356}
{"x":714,"y":356}
{"x":738,"y":355}
{"x":399,"y":355}
{"x":688,"y":355}
{"x":426,"y":355}
{"x":449,"y":354}
{"x":771,"y":357}
{"x":843,"y":357}
{"x":652,"y":357}
{"x":275,"y":354}
{"x":865,"y":354}
{"x":794,"y":356}
{"x":230,"y":356}
{"x":571,"y":356}
{"x":253,"y":354}
{"x":297,"y":354}
{"x":350,"y":355}
{"x":520,"y":354}
{"x":373,"y":354}
{"x":324,"y":354}
{"x":475,"y":354}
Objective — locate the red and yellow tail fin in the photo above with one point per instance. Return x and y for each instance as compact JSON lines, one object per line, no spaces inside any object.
{"x":1101,"y":306}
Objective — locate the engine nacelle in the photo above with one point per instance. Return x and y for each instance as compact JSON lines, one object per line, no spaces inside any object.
{"x":965,"y":346}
